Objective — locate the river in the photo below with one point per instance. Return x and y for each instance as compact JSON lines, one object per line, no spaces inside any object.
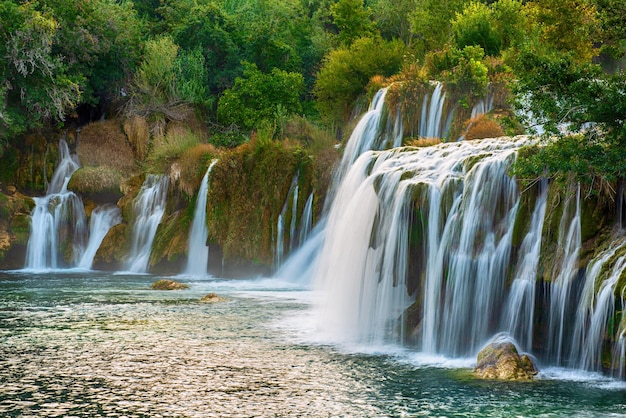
{"x":80,"y":343}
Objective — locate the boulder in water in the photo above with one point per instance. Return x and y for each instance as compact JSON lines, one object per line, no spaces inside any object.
{"x":212,"y":298}
{"x":167,"y":284}
{"x":501,"y":360}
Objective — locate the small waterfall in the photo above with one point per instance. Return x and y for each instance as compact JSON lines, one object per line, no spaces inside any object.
{"x":292,"y":194}
{"x":307,"y":220}
{"x":568,"y":247}
{"x":518,"y":319}
{"x":596,"y":308}
{"x":102,"y":219}
{"x":432,"y":114}
{"x":293,"y":238}
{"x":58,"y":219}
{"x":148,"y":209}
{"x":198,"y":257}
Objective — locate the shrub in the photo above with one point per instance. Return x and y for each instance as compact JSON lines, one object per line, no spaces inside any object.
{"x":483,"y":127}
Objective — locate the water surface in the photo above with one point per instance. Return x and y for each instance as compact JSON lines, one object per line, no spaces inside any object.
{"x":97,"y":344}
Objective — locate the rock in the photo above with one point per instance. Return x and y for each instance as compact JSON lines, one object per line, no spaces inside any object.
{"x":166,"y":284}
{"x":500,"y":360}
{"x":11,"y":190}
{"x":212,"y":298}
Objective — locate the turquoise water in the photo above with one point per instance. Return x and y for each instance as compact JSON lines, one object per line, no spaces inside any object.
{"x":97,"y":344}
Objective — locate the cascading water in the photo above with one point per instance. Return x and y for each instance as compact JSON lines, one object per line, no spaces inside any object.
{"x":292,"y":194}
{"x":568,"y":247}
{"x":519,"y":315}
{"x":58,"y":219}
{"x":306,"y":222}
{"x":419,"y":241}
{"x":102,"y":219}
{"x":198,"y":257}
{"x":596,"y":307}
{"x":148,"y":209}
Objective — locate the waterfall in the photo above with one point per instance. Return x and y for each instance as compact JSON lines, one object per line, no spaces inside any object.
{"x":568,"y":247}
{"x":596,"y":307}
{"x":198,"y":256}
{"x":102,"y":219}
{"x":432,"y":114}
{"x":148,"y":209}
{"x":519,"y":315}
{"x":306,"y":222}
{"x":362,"y":267}
{"x":58,"y":219}
{"x":292,"y":194}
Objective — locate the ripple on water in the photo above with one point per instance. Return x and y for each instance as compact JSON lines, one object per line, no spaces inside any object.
{"x":109,"y":347}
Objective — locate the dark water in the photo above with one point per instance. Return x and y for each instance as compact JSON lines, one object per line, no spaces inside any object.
{"x":95,"y":344}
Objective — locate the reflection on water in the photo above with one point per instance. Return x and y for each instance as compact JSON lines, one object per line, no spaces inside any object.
{"x":90,"y":344}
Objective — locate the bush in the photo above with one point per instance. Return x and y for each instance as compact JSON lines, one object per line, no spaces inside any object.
{"x":474,"y":26}
{"x":346,"y":72}
{"x":258,"y":97}
{"x":483,"y":127}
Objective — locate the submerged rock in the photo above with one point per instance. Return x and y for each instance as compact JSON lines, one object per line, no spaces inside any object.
{"x":212,"y":298}
{"x":167,"y":284}
{"x":501,"y":360}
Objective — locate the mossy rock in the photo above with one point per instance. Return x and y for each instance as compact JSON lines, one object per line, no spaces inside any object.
{"x":167,"y":284}
{"x":212,"y":298}
{"x":500,"y":360}
{"x":171,"y":239}
{"x":101,"y":184}
{"x":20,"y":228}
{"x":114,"y":247}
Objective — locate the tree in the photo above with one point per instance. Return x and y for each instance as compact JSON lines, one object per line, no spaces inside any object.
{"x":259,"y":96}
{"x":352,"y":19}
{"x":35,"y":87}
{"x":346,"y":71}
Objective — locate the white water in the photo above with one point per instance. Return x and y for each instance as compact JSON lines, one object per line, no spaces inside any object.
{"x":58,"y":219}
{"x":198,"y":256}
{"x":432,"y":114}
{"x":597,"y":307}
{"x":565,"y":268}
{"x":102,"y":219}
{"x":518,"y":319}
{"x":148,"y":209}
{"x":459,"y":205}
{"x":292,"y":194}
{"x":306,"y":221}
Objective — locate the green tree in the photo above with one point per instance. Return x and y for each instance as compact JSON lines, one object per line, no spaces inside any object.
{"x":346,"y":71}
{"x":431,"y":23}
{"x":352,"y":19}
{"x":36,"y":87}
{"x":99,"y":41}
{"x":475,"y":26}
{"x":259,"y":96}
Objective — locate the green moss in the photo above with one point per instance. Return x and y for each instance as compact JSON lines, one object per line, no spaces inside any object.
{"x":171,"y":239}
{"x":103,"y":180}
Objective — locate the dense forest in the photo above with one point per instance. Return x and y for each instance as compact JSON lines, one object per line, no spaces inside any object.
{"x":238,"y":67}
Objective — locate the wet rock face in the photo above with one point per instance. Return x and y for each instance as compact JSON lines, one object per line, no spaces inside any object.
{"x":500,"y":360}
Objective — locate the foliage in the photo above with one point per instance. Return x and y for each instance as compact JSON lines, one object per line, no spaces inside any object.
{"x":168,"y":148}
{"x":564,"y":26}
{"x":99,"y":41}
{"x":431,"y":23}
{"x":35,"y":84}
{"x":346,"y":71}
{"x":474,"y":26}
{"x":352,"y":18}
{"x":258,"y":97}
{"x":462,"y":69}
